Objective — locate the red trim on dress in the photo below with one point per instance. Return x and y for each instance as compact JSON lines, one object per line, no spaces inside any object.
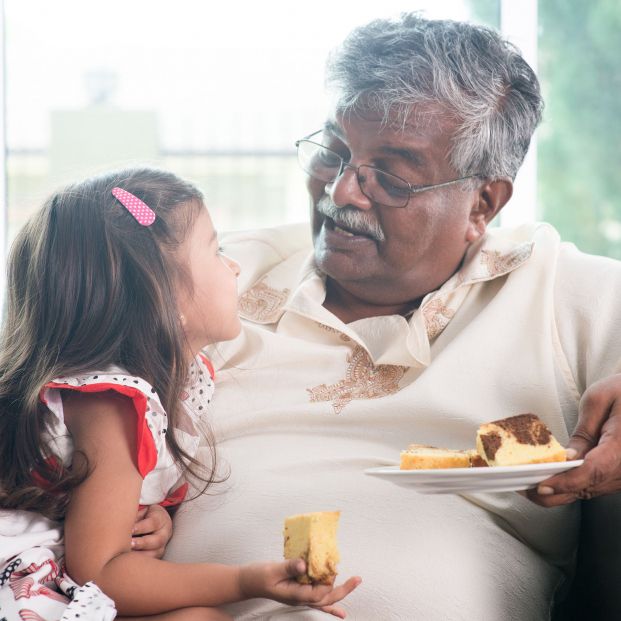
{"x":147,"y":453}
{"x":208,"y":364}
{"x":176,"y":497}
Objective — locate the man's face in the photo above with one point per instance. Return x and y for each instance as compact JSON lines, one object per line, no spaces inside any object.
{"x":394,"y":254}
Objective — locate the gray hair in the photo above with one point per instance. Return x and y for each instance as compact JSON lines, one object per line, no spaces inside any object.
{"x":388,"y":66}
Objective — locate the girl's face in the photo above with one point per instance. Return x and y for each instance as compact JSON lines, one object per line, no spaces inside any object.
{"x":209,"y":310}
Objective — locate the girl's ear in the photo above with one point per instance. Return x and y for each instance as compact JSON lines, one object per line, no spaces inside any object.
{"x":492,"y":197}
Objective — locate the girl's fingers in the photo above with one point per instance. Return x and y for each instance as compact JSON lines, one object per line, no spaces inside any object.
{"x":321,"y":596}
{"x":335,"y":611}
{"x":340,"y":592}
{"x":148,"y":542}
{"x":141,"y":513}
{"x":294,"y":568}
{"x":144,"y":527}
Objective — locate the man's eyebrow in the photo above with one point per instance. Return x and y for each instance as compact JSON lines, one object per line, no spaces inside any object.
{"x":411,"y":156}
{"x":414,"y":157}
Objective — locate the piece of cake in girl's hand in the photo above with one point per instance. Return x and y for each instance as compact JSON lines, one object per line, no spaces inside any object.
{"x":312,"y":537}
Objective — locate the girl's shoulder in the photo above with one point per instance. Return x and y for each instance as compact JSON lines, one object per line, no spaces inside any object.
{"x":111,"y":378}
{"x":152,"y":419}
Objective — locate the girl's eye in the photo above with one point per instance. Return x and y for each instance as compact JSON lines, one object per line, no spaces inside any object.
{"x":220,"y":250}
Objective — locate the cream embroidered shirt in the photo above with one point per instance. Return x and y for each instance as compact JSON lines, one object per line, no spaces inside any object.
{"x":305,"y":403}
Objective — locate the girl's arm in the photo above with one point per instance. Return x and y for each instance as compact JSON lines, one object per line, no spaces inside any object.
{"x":102,"y":512}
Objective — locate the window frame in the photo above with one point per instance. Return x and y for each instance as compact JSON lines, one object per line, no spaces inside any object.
{"x":4,"y":195}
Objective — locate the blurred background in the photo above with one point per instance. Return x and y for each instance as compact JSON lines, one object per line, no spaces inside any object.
{"x":219,"y":92}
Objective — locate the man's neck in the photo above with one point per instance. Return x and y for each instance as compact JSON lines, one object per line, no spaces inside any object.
{"x":349,"y":307}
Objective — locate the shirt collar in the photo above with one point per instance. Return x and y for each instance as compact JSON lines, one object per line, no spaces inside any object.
{"x":296,"y":285}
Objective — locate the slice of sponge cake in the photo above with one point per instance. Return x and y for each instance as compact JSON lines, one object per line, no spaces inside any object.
{"x":521,"y":439}
{"x":476,"y":461}
{"x":312,"y":537}
{"x":423,"y":457}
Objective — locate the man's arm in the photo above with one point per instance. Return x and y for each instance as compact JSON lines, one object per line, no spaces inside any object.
{"x":589,"y":327}
{"x":597,"y":440}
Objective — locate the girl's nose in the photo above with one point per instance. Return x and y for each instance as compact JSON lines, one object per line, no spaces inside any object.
{"x":233,"y":265}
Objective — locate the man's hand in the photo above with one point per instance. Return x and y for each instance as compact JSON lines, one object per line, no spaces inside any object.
{"x":597,"y":440}
{"x":152,"y":531}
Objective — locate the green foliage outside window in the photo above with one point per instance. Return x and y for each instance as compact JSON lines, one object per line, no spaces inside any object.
{"x":580,"y":139}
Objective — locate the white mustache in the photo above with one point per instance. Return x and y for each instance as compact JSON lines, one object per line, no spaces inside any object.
{"x":351,"y":218}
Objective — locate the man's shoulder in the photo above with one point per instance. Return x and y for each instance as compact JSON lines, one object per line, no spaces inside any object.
{"x":548,"y":244}
{"x":260,"y":250}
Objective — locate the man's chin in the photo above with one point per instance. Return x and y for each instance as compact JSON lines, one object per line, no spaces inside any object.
{"x":339,"y":265}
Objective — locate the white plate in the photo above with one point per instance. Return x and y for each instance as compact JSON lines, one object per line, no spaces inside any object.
{"x":465,"y":480}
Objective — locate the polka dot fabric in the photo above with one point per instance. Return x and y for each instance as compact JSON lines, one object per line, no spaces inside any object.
{"x":141,"y":211}
{"x":35,"y":587}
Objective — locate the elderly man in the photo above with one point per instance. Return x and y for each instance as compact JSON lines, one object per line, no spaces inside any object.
{"x":411,"y":321}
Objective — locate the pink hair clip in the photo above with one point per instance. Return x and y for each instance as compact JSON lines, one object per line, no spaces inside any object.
{"x":141,"y":211}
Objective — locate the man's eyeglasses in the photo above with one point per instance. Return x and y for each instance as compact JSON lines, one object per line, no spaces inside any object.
{"x":377,"y":185}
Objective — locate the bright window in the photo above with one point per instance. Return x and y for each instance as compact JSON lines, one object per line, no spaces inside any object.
{"x":218,"y":92}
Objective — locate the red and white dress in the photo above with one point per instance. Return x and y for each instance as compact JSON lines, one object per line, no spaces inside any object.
{"x":33,"y":583}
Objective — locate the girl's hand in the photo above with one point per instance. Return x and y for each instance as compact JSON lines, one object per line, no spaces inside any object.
{"x":277,"y":581}
{"x":152,"y":531}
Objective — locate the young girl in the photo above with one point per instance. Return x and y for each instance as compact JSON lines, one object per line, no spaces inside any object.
{"x":113,"y":289}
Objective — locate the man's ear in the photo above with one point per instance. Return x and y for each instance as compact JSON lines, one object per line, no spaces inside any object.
{"x":492,"y":197}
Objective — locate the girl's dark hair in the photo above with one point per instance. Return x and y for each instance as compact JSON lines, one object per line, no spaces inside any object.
{"x":89,"y":287}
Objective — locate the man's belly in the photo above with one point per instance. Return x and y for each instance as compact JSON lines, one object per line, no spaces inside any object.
{"x":421,"y":557}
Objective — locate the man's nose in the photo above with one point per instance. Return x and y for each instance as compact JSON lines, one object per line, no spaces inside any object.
{"x":345,"y":190}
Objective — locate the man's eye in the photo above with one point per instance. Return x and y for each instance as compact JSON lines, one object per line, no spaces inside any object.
{"x":328,"y":158}
{"x":393,"y":186}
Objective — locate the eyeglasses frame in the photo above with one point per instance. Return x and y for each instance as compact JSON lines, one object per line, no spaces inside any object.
{"x":413,"y":189}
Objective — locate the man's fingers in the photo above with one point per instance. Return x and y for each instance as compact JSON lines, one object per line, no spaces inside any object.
{"x":579,"y":445}
{"x":599,"y":474}
{"x":596,"y":409}
{"x":554,"y":500}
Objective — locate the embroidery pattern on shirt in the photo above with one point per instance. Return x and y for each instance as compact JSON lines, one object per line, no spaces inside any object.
{"x":499,"y":263}
{"x":262,"y":302}
{"x":437,"y":315}
{"x":342,"y":337}
{"x":363,"y":380}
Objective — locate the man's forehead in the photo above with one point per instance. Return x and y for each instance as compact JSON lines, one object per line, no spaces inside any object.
{"x":413,"y":138}
{"x":416,"y":122}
